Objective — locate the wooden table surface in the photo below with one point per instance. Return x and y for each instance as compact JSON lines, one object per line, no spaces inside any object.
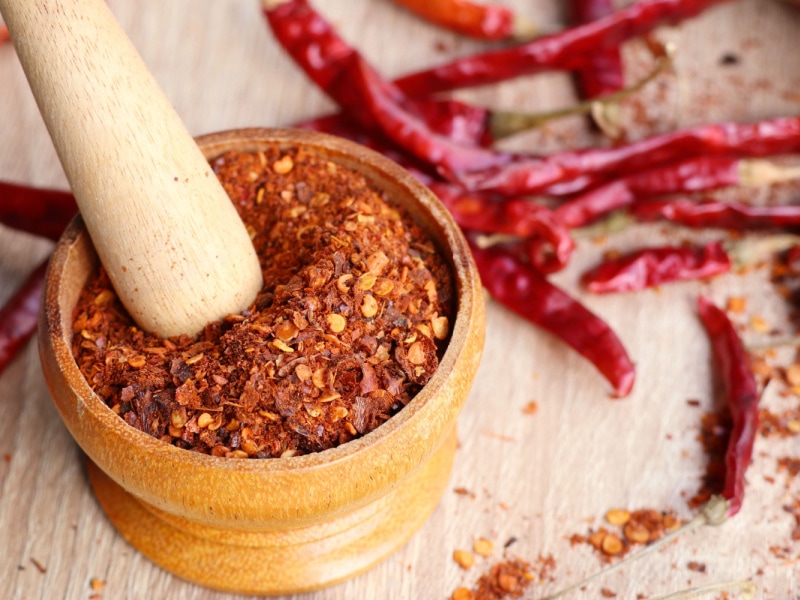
{"x":537,"y":477}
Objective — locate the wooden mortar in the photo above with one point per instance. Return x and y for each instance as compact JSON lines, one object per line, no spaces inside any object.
{"x":273,"y":526}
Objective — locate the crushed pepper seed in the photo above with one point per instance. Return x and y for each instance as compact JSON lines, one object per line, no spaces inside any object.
{"x":464,"y":558}
{"x":320,"y":358}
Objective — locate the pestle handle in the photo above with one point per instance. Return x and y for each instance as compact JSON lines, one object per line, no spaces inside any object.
{"x":171,"y":241}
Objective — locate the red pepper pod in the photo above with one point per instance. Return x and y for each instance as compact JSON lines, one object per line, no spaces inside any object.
{"x":733,"y":365}
{"x":19,"y":316}
{"x":526,"y":292}
{"x":569,"y":49}
{"x":690,"y":175}
{"x":38,"y":211}
{"x":604,"y":74}
{"x":650,"y":267}
{"x":710,"y":213}
{"x":482,"y":21}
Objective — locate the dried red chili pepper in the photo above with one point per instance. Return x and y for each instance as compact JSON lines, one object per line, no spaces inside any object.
{"x":19,"y":316}
{"x":603,"y":74}
{"x":733,"y":364}
{"x":570,"y":49}
{"x":710,"y":213}
{"x":525,"y":175}
{"x":374,"y":102}
{"x":650,"y":267}
{"x":482,"y":21}
{"x":523,"y":290}
{"x":691,"y":175}
{"x":549,"y":244}
{"x":38,"y":211}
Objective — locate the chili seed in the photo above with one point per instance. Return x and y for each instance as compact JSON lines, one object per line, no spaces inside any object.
{"x":341,"y":283}
{"x":464,"y":558}
{"x":194,"y":359}
{"x":366,"y":281}
{"x":319,"y":377}
{"x":137,"y":361}
{"x":283,"y":165}
{"x":336,"y":322}
{"x":612,"y":544}
{"x":282,"y":346}
{"x":104,"y":297}
{"x":462,"y":593}
{"x":239,"y":454}
{"x":637,"y":533}
{"x":350,"y":428}
{"x":416,"y":353}
{"x":618,"y":516}
{"x":383,"y":287}
{"x":204,"y":420}
{"x":286,"y":331}
{"x":330,"y":397}
{"x":483,"y":547}
{"x":369,"y":306}
{"x":288,"y":453}
{"x":178,"y":418}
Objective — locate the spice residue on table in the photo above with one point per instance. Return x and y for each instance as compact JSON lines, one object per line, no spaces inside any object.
{"x":351,"y":323}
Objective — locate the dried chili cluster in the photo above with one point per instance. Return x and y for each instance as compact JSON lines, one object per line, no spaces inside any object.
{"x":350,"y":324}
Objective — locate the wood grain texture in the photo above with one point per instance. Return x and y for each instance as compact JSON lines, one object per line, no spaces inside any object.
{"x":537,"y":478}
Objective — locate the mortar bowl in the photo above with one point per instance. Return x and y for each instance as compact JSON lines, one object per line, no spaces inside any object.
{"x":283,"y":525}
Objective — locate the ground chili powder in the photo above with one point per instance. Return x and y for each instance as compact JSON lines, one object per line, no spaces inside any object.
{"x":351,"y":323}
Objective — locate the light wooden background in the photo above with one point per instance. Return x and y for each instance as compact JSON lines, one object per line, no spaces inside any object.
{"x":537,"y":477}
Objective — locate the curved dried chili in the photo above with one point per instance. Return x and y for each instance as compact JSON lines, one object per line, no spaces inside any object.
{"x":733,"y":364}
{"x":523,"y":290}
{"x":20,"y":315}
{"x":650,"y":267}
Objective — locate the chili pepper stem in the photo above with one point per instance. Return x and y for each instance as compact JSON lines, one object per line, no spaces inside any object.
{"x":504,"y":124}
{"x":755,"y":172}
{"x":748,"y":589}
{"x":713,"y":512}
{"x":747,"y":252}
{"x":616,"y":222}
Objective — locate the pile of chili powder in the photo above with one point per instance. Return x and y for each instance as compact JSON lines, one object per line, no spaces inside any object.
{"x":351,"y":323}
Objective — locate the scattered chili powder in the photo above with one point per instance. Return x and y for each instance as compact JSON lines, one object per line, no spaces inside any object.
{"x":506,"y":579}
{"x":350,"y":325}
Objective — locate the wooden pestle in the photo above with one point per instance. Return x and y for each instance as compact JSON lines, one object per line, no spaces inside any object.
{"x":171,"y":241}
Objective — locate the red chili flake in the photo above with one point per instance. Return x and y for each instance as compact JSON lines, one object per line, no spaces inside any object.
{"x":349,"y":326}
{"x":39,"y":566}
{"x":696,"y":566}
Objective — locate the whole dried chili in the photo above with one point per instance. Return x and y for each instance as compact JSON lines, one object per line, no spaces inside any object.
{"x":695,"y":174}
{"x":350,"y":325}
{"x":570,"y":49}
{"x":523,"y":290}
{"x":650,"y":267}
{"x":373,"y":102}
{"x":19,"y":316}
{"x":342,"y":73}
{"x":522,"y":175}
{"x":518,"y":217}
{"x":604,"y":73}
{"x":710,"y":213}
{"x":733,"y":364}
{"x":38,"y":211}
{"x":482,"y":21}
